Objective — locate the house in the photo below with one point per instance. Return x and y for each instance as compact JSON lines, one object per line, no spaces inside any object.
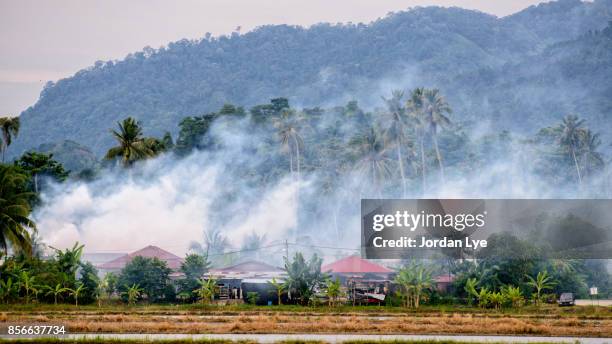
{"x":236,"y":281}
{"x":364,"y":281}
{"x":173,"y":262}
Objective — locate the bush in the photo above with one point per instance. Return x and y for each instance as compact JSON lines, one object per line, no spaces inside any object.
{"x":252,"y":297}
{"x":151,"y":274}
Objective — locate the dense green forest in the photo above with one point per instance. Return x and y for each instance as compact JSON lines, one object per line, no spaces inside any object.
{"x":518,"y":72}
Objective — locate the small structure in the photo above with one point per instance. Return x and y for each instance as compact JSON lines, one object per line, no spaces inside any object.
{"x":364,"y":281}
{"x":174,"y":262}
{"x":236,"y":281}
{"x":444,"y":283}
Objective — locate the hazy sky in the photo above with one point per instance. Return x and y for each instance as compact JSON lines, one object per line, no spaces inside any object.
{"x":42,"y":40}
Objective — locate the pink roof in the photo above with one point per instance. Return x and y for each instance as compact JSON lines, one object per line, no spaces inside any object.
{"x":174,"y":262}
{"x":354,"y":264}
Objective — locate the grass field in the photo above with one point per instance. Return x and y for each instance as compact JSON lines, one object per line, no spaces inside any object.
{"x":545,"y":321}
{"x":208,"y":341}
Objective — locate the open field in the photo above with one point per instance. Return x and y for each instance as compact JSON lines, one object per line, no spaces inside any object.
{"x":305,"y":339}
{"x":546,"y":321}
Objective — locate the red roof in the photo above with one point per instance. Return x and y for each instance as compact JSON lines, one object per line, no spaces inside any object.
{"x":174,"y":262}
{"x":354,"y":264}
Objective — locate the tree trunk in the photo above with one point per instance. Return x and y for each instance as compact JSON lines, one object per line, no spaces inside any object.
{"x":401,"y":167}
{"x":438,"y":155}
{"x":423,"y":174}
{"x":577,"y":167}
{"x":36,"y":183}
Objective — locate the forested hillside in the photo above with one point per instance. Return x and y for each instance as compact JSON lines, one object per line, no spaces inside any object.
{"x":520,"y":71}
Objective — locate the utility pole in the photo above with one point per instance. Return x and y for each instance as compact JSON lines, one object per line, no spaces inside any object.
{"x":287,"y":249}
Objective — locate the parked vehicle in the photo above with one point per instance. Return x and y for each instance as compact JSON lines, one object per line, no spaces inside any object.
{"x":567,"y":299}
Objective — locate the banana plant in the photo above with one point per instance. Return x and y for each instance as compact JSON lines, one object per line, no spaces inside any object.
{"x":76,"y":292}
{"x":56,"y":291}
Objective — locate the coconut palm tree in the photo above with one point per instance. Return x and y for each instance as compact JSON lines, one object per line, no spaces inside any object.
{"x":132,"y":145}
{"x":9,"y":127}
{"x":371,"y":153}
{"x":435,"y":118}
{"x":396,"y":131}
{"x":289,"y":125}
{"x":15,"y":224}
{"x":590,"y":142}
{"x":415,"y":107}
{"x":570,"y":139}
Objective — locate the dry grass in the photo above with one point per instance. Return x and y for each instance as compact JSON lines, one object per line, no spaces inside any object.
{"x":258,"y":322}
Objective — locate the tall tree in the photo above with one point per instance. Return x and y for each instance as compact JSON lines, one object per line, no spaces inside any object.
{"x":40,"y":164}
{"x":371,"y":153}
{"x":15,"y":224}
{"x":592,"y":159}
{"x":303,"y":277}
{"x":396,"y":131}
{"x":570,"y":138}
{"x":288,"y":125}
{"x":435,"y":118}
{"x":415,"y":106}
{"x":132,"y":145}
{"x":9,"y":126}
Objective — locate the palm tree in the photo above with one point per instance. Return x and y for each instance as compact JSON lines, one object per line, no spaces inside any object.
{"x":592,"y":158}
{"x":9,"y":126}
{"x":15,"y":225}
{"x":436,"y":109}
{"x":289,"y":124}
{"x":132,"y":145}
{"x":415,"y":106}
{"x":372,"y":154}
{"x":570,"y":138}
{"x":397,"y":130}
{"x":76,"y":292}
{"x":56,"y":291}
{"x":540,"y":283}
